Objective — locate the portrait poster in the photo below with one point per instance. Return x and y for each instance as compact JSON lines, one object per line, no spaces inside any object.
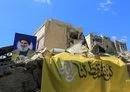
{"x":31,"y":39}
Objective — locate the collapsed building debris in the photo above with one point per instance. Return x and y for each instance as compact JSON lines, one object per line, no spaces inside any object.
{"x":111,"y":47}
{"x":120,"y":46}
{"x":54,"y":37}
{"x":57,"y":34}
{"x":21,"y":77}
{"x":78,"y":48}
{"x":103,"y":42}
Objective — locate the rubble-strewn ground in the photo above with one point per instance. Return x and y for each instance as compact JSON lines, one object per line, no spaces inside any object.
{"x":25,"y":78}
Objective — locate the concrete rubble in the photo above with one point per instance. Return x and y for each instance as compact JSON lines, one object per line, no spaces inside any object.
{"x":21,"y":77}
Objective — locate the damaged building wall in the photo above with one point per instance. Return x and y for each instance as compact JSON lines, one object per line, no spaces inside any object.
{"x":46,"y":34}
{"x":108,"y":45}
{"x":88,"y":40}
{"x":120,"y":46}
{"x":57,"y":34}
{"x":93,"y":39}
{"x":40,"y":38}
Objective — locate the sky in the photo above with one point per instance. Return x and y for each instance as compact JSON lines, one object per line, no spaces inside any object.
{"x":108,"y":17}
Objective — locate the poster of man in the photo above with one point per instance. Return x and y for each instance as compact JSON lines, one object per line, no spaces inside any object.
{"x":24,"y":45}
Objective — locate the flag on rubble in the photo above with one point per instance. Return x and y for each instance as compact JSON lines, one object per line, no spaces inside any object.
{"x":66,"y":72}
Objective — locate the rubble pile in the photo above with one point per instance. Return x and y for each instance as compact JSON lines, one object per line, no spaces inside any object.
{"x":21,"y":77}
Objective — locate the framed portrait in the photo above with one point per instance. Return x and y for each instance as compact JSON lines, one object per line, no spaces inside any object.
{"x":31,"y":41}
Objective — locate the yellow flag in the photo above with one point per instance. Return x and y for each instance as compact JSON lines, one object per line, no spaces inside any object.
{"x":73,"y":73}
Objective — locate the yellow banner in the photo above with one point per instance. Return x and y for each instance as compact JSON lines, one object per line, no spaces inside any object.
{"x":73,"y":73}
